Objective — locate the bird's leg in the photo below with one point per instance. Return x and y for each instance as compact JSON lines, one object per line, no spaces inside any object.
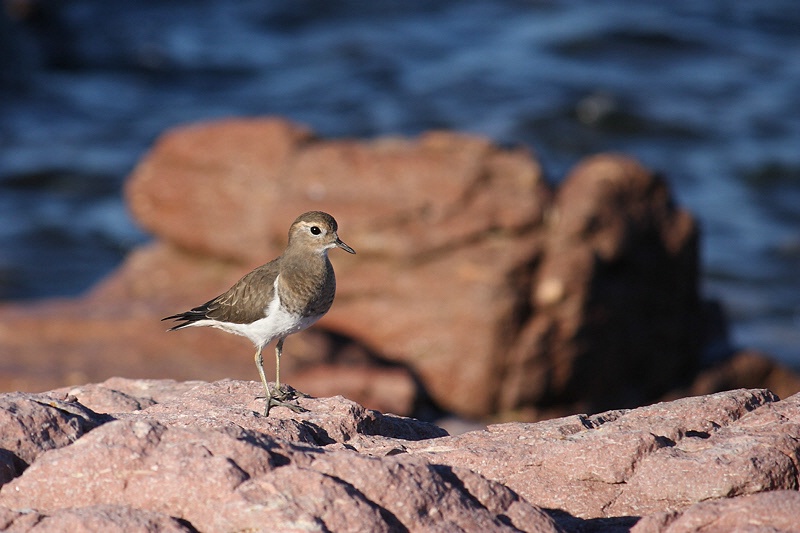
{"x":280,"y":397}
{"x":278,"y":352}
{"x":260,"y":367}
{"x":286,"y":392}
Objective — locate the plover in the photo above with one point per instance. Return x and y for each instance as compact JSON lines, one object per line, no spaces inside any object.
{"x":284,"y":296}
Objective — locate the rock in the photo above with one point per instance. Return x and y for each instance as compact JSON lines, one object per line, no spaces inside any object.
{"x":744,"y":457}
{"x":119,"y":395}
{"x":615,"y":295}
{"x":200,"y":456}
{"x":33,"y":424}
{"x":10,"y":466}
{"x":647,"y":460}
{"x":227,"y":180}
{"x":389,"y":390}
{"x":745,"y":369}
{"x":393,"y":196}
{"x":442,"y":224}
{"x":107,"y":518}
{"x":476,"y":289}
{"x":767,"y":511}
{"x":235,"y":403}
{"x":206,"y":457}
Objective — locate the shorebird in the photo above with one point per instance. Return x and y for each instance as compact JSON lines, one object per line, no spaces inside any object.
{"x":284,"y":296}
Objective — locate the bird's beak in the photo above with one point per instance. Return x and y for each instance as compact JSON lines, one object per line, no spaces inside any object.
{"x":340,"y":243}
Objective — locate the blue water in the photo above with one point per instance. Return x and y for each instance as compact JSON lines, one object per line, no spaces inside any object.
{"x":705,"y":92}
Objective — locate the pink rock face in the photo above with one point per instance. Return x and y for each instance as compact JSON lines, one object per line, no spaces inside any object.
{"x":106,"y":518}
{"x":171,"y":456}
{"x":475,"y":284}
{"x":663,"y":457}
{"x":768,"y":511}
{"x":33,"y":424}
{"x":196,"y":454}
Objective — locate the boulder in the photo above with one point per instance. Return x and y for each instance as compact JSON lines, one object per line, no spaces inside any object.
{"x":614,"y":308}
{"x":477,"y":288}
{"x":440,"y":225}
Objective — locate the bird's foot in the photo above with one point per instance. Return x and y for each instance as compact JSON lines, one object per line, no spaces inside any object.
{"x":277,"y":402}
{"x":294,"y":392}
{"x":282,"y":397}
{"x":287,"y":392}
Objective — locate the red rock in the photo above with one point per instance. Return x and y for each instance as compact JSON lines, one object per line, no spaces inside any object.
{"x":106,"y":518}
{"x":745,"y":457}
{"x":474,"y":287}
{"x":214,"y":190}
{"x":647,"y":460}
{"x":441,"y":222}
{"x":206,"y":457}
{"x":615,"y":301}
{"x":389,"y":390}
{"x":120,"y":395}
{"x":200,"y":455}
{"x":236,"y":404}
{"x":768,"y":511}
{"x":745,"y":369}
{"x":32,"y":424}
{"x":450,"y":230}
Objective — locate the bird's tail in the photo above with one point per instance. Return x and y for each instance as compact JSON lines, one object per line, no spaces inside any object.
{"x":187,"y":318}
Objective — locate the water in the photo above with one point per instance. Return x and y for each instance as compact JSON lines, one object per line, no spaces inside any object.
{"x":706,"y":92}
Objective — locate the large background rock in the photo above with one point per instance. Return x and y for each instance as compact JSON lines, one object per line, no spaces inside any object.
{"x":439,"y":224}
{"x":615,"y":295}
{"x":476,"y":289}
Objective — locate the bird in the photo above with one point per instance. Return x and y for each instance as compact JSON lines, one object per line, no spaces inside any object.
{"x":277,"y":299}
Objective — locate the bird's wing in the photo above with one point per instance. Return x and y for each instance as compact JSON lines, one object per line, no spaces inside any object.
{"x":245,"y":302}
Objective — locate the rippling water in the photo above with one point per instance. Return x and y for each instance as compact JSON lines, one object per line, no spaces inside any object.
{"x":706,"y":92}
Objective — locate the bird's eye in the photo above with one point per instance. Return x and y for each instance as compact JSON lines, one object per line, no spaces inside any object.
{"x":315,"y":230}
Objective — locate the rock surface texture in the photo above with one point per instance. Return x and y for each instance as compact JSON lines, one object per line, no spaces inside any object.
{"x":137,"y":455}
{"x":478,"y":289}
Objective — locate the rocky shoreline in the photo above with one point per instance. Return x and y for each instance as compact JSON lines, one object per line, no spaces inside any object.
{"x":148,"y":455}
